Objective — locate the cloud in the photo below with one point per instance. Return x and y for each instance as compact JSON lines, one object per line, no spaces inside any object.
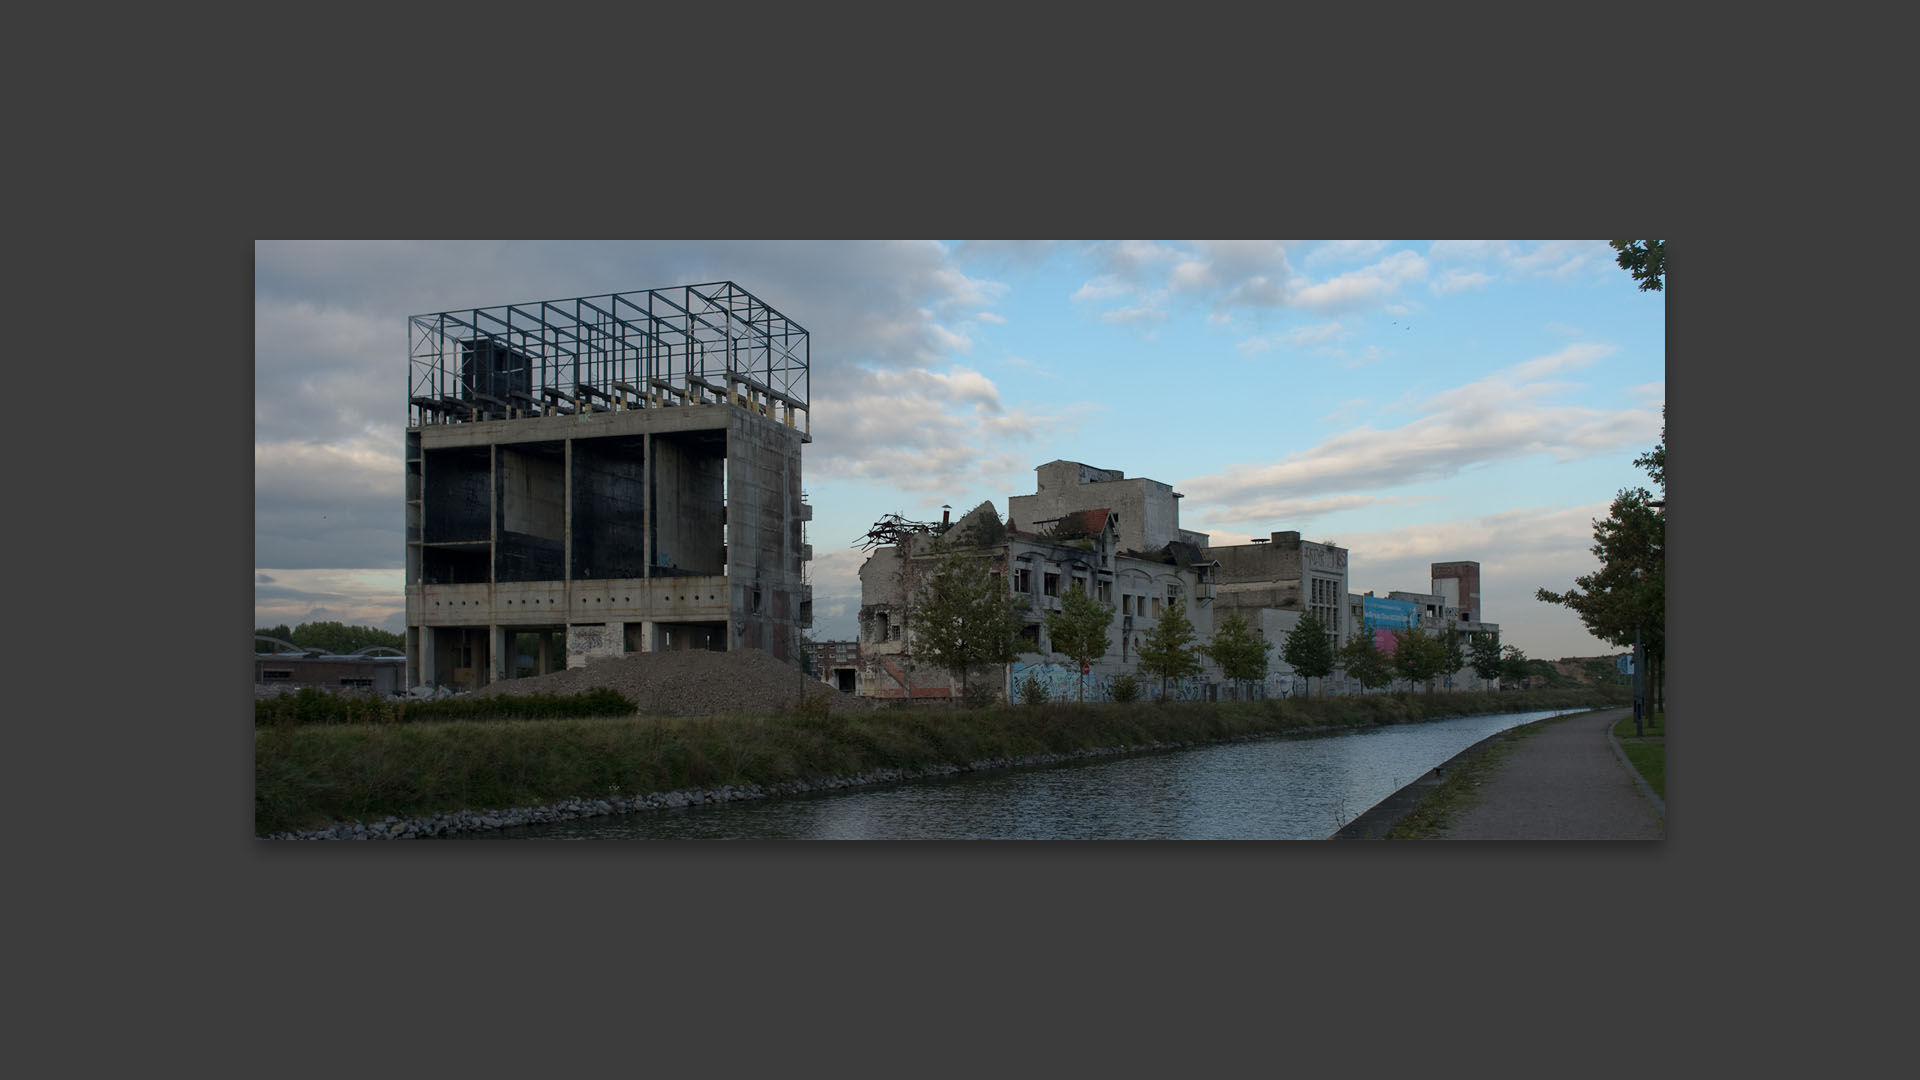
{"x":1502,"y":417}
{"x":1296,"y":337}
{"x":1571,"y":358}
{"x":1364,"y":286}
{"x":1129,"y":316}
{"x":356,"y":597}
{"x":1345,"y":251}
{"x":1104,"y":287}
{"x":1549,"y":258}
{"x":989,"y":317}
{"x":1563,"y":329}
{"x":1293,"y":511}
{"x":1455,"y":281}
{"x":924,"y":431}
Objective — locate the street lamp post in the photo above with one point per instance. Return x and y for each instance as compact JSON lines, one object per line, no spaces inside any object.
{"x":1639,"y":662}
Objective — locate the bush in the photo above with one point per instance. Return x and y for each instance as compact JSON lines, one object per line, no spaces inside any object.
{"x":314,"y":706}
{"x":978,"y":696}
{"x":1126,"y":688}
{"x":1033,"y":691}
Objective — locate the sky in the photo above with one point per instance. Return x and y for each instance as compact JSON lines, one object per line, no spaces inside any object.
{"x":1412,"y":401}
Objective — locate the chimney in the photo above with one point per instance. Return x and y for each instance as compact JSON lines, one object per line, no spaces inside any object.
{"x":946,"y":516}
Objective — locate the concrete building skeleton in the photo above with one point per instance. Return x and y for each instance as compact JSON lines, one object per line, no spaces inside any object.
{"x":603,"y":475}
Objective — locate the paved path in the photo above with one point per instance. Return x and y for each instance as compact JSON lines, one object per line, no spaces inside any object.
{"x":1562,"y":783}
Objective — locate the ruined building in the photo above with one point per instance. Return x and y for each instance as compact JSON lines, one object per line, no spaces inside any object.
{"x":603,"y":475}
{"x":1120,"y":538}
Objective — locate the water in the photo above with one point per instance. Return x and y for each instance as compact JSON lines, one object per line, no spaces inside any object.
{"x":1266,"y":789}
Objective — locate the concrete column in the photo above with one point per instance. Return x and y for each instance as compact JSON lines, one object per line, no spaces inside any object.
{"x":427,"y":658}
{"x":498,"y":662}
{"x":546,"y":652}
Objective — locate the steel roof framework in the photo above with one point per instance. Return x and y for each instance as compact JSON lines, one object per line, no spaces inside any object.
{"x":621,"y":350}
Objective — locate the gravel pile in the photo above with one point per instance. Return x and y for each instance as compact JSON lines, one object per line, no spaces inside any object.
{"x":690,"y":683}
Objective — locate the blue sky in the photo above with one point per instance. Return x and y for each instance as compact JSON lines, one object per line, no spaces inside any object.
{"x":1414,"y":401}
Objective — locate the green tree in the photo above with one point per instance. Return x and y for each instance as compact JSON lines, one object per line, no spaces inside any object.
{"x":1646,"y":260}
{"x":1241,"y":653}
{"x":1655,"y":460}
{"x":1629,"y":591}
{"x":1078,"y":630}
{"x":964,"y":618}
{"x":1309,"y":649}
{"x":1168,"y":649}
{"x":1418,"y":656}
{"x":1514,"y":664}
{"x":1484,"y":654}
{"x":1453,"y":656}
{"x":1362,"y":658}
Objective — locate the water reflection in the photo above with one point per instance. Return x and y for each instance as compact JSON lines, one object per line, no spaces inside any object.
{"x":1267,"y":789}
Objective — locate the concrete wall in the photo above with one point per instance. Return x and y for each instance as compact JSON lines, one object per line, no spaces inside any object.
{"x":1149,"y":511}
{"x":611,"y":488}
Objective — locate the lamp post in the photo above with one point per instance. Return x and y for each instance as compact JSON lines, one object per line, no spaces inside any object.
{"x":1639,"y":659}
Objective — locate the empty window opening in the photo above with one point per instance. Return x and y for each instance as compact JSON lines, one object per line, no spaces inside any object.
{"x":1052,"y":585}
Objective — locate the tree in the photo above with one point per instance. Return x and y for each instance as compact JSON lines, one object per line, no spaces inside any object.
{"x":1168,"y":648}
{"x":964,"y":618}
{"x":1646,"y":260}
{"x":1309,"y":649}
{"x":1514,"y":664}
{"x":1628,"y":594}
{"x":1078,"y":630}
{"x":1418,"y":656}
{"x":1364,"y":661}
{"x":1241,"y":653}
{"x":1453,"y":656}
{"x":1484,"y":654}
{"x":1655,"y":460}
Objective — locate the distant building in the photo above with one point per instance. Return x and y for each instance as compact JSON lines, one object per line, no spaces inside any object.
{"x":837,"y":663}
{"x":375,"y":674}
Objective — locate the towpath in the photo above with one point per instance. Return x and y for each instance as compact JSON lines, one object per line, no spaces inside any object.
{"x":1563,"y":782}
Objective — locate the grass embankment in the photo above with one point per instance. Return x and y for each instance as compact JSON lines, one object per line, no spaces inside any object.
{"x":1648,"y":752}
{"x":306,"y":775}
{"x":1460,"y":791}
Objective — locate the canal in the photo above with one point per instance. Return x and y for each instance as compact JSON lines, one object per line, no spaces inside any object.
{"x":1265,"y":789}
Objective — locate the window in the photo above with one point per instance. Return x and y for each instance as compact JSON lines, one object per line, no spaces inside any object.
{"x":1052,"y":584}
{"x":893,"y":632}
{"x":1106,"y":592}
{"x":1126,"y":604}
{"x":1023,"y":580}
{"x":357,"y":684}
{"x":1156,"y":607}
{"x":880,"y":627}
{"x":756,"y":601}
{"x":275,"y":675}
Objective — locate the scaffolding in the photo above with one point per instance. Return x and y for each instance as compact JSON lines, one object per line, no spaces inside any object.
{"x":686,"y":345}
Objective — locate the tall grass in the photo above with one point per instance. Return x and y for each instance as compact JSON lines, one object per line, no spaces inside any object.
{"x":314,"y":706}
{"x":309,"y":774}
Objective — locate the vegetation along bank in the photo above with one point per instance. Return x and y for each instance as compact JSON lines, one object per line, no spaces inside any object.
{"x":431,"y":774}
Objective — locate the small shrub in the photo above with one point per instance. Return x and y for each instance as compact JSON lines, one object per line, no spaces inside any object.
{"x":1126,"y":688}
{"x":977,"y":696}
{"x":1033,"y":691}
{"x":813,"y":707}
